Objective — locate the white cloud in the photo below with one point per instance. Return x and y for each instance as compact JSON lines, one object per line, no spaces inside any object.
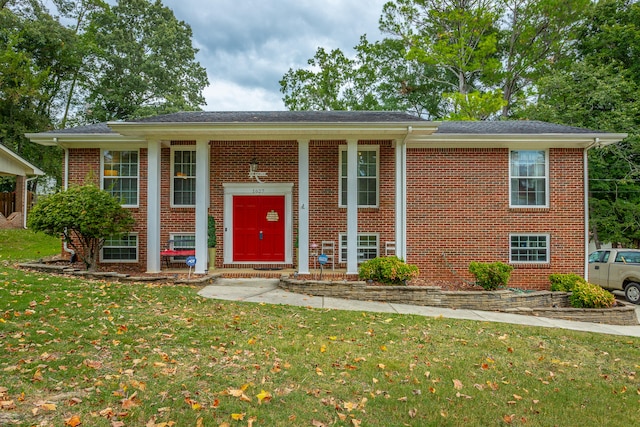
{"x":229,"y":96}
{"x":248,"y":45}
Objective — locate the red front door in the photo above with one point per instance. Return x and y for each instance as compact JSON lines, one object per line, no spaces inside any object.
{"x":258,"y":228}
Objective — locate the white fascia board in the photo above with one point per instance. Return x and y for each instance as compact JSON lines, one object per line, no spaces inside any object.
{"x":542,"y":141}
{"x":16,"y":165}
{"x":274,"y":131}
{"x":89,"y":140}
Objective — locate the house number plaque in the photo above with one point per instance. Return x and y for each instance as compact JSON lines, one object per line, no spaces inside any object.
{"x":272,"y":216}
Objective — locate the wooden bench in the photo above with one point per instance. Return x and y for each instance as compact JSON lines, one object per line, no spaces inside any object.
{"x":168,"y":253}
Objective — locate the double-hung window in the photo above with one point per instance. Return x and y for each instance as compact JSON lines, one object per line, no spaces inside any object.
{"x":367,"y":172}
{"x":120,"y":175}
{"x":184,"y":177}
{"x":529,"y":248}
{"x":122,"y":248}
{"x":367,"y":247}
{"x":182,"y":241}
{"x":529,"y":173}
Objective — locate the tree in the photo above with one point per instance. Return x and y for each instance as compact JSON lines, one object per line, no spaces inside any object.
{"x":537,"y":37}
{"x":380,"y":77}
{"x":85,"y":216}
{"x":36,"y":56}
{"x":605,"y":98}
{"x":144,"y":62}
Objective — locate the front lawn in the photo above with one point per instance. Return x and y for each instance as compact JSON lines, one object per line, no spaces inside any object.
{"x":96,"y":353}
{"x":110,"y":354}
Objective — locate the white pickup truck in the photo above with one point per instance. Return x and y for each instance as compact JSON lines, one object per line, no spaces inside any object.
{"x":617,"y":269}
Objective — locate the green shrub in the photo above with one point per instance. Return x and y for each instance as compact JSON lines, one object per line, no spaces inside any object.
{"x":491,"y":276}
{"x":388,"y":270}
{"x":587,"y":295}
{"x":564,"y":282}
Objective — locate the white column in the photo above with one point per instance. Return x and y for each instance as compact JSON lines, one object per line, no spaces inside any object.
{"x":202,"y":204}
{"x":352,"y":206}
{"x":401,"y":200}
{"x":153,"y":206}
{"x":303,"y":206}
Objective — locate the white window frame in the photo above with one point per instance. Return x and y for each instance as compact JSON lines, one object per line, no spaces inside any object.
{"x":342,"y":246}
{"x":342,"y":151}
{"x":547,"y":248}
{"x":172,"y":239}
{"x":175,"y":148}
{"x":137,"y":176}
{"x":546,"y":180}
{"x":121,"y":261}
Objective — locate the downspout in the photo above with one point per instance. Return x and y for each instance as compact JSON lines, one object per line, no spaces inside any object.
{"x":596,"y":142}
{"x":401,"y":197}
{"x":65,"y":246}
{"x":24,"y":208}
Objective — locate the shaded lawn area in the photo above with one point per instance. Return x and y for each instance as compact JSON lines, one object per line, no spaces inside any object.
{"x":109,"y":354}
{"x":25,"y":245}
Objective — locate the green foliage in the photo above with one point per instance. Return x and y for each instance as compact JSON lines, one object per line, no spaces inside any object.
{"x":85,"y":216}
{"x":379,"y":77}
{"x":561,"y":282}
{"x":389,"y":270}
{"x":211,"y":232}
{"x":474,"y":105}
{"x":588,"y":295}
{"x":144,"y":62}
{"x":491,"y":276}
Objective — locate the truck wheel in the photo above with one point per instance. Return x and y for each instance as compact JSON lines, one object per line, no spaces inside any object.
{"x":632,"y":293}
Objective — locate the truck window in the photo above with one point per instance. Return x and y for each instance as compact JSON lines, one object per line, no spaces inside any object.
{"x":599,"y":256}
{"x":628,"y":257}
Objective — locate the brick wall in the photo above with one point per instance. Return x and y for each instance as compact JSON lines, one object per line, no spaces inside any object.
{"x":458,"y":212}
{"x":457,"y":202}
{"x":326,"y":219}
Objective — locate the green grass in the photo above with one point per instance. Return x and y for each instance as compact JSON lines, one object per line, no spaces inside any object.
{"x":22,"y":245}
{"x":138,"y":354}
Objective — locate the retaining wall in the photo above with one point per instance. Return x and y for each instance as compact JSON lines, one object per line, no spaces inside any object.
{"x":538,"y":303}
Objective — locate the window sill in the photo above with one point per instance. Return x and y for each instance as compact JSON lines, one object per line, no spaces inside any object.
{"x":530,"y":266}
{"x":541,"y":209}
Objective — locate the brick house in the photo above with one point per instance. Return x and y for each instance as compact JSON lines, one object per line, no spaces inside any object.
{"x":284,"y":186}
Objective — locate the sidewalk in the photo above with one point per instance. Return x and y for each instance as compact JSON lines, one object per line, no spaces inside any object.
{"x":267,"y":291}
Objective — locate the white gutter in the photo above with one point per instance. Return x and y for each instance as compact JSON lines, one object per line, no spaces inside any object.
{"x":25,"y":194}
{"x":401,"y":196}
{"x":65,"y":246}
{"x":596,"y":143}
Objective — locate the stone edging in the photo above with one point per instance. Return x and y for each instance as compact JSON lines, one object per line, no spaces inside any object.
{"x":538,"y":303}
{"x":118,"y":277}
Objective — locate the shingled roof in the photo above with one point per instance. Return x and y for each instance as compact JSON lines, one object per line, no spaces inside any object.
{"x":281,"y":117}
{"x":502,"y":127}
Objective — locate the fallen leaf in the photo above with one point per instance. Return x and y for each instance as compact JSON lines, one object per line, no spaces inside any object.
{"x":316,"y":423}
{"x":413,"y":412}
{"x":263,"y":396}
{"x":74,"y":421}
{"x":237,"y":417}
{"x":508,"y":418}
{"x":7,"y":404}
{"x":95,"y":364}
{"x":457,"y":384}
{"x":37,"y":376}
{"x":131,"y":401}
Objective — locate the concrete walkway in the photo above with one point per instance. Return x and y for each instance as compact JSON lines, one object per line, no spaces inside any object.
{"x":267,"y":291}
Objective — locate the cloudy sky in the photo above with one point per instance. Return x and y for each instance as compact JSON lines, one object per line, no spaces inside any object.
{"x":248,"y":45}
